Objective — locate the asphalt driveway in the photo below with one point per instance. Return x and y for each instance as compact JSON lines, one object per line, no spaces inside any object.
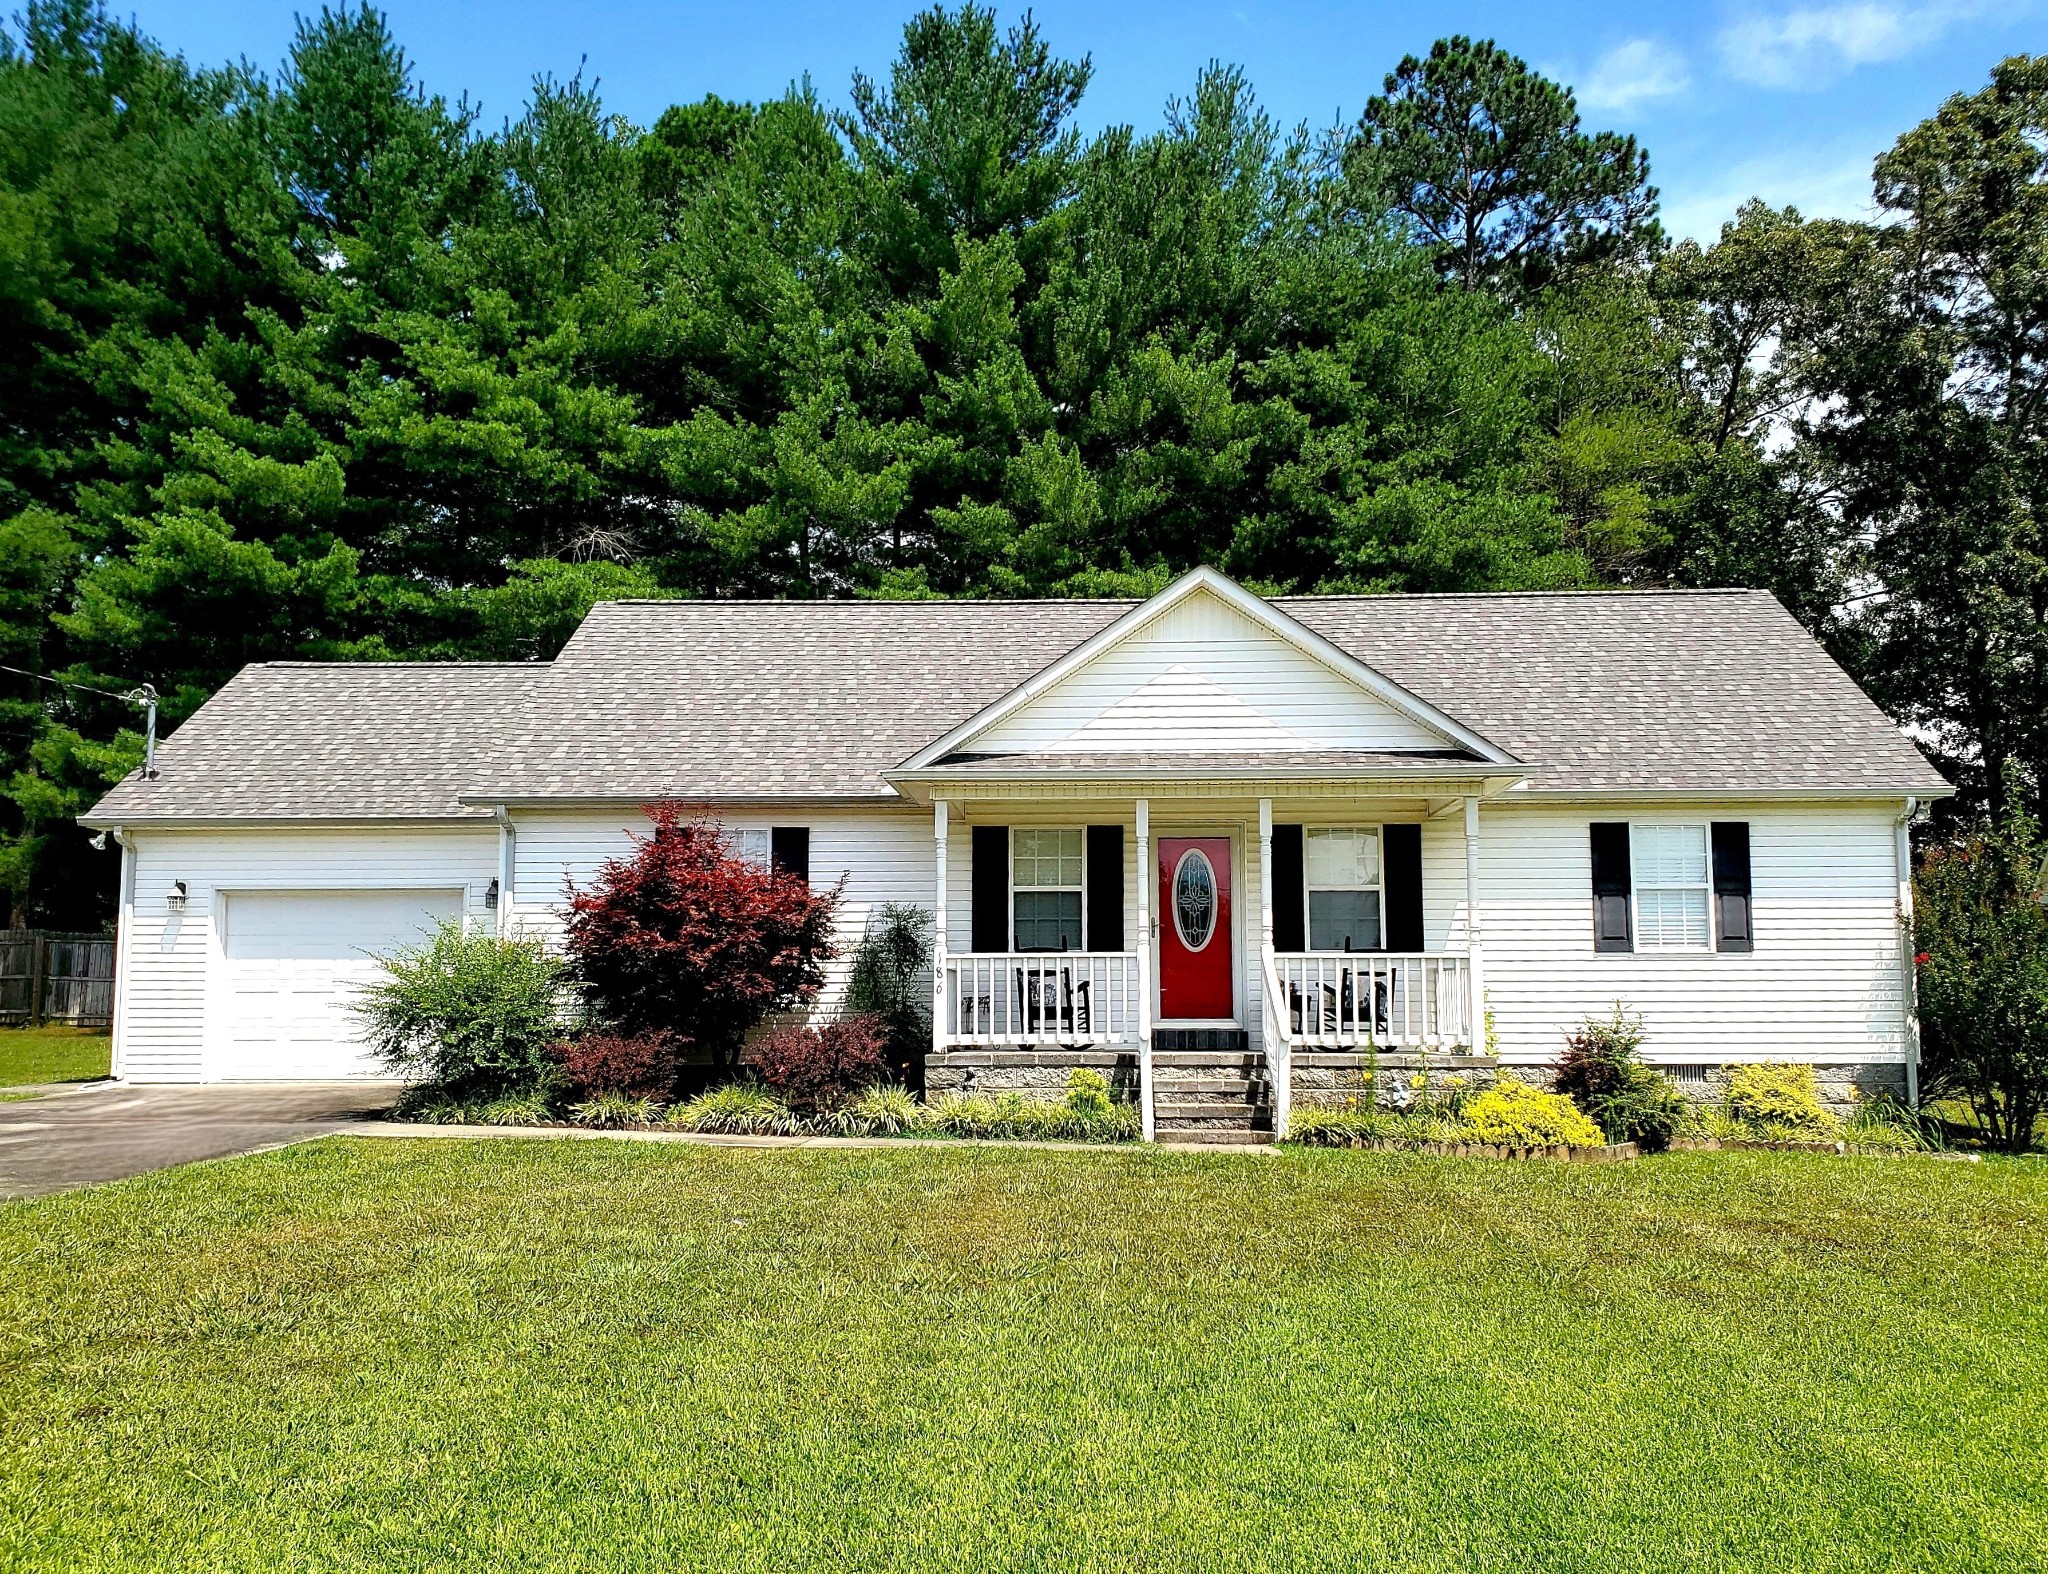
{"x":81,"y":1136}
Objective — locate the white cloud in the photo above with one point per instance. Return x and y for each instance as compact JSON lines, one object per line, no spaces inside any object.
{"x":1812,"y":45}
{"x":1832,"y":184}
{"x":1632,"y":72}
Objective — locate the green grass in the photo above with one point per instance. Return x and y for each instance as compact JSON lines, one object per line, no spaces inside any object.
{"x":596,"y":1355}
{"x":52,"y":1054}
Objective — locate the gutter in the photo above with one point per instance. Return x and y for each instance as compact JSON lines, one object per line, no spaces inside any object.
{"x":1909,"y":974}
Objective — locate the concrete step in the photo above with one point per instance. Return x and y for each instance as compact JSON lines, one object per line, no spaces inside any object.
{"x":1206,"y":1058}
{"x":1189,"y":1086}
{"x":1242,"y":1120}
{"x":1205,"y":1108}
{"x":1217,"y":1137}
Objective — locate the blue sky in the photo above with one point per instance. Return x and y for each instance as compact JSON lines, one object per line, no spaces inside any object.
{"x":1785,"y":99}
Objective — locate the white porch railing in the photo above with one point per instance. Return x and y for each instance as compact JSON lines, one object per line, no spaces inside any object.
{"x":1372,"y":1000}
{"x":1028,"y":998}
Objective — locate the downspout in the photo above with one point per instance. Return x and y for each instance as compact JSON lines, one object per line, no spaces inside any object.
{"x":124,"y":933}
{"x":508,"y":847}
{"x":1909,"y":979}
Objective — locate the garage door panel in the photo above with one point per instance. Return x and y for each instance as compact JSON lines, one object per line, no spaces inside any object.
{"x":293,"y":963}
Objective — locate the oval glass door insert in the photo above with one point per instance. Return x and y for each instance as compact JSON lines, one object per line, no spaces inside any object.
{"x":1194,"y":899}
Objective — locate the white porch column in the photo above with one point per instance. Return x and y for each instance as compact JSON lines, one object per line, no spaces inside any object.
{"x":1476,"y":954}
{"x":1279,"y":1056}
{"x":1148,"y":1122}
{"x":940,"y":815}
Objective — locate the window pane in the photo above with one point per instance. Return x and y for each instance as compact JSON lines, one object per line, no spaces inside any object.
{"x":1046,"y":919}
{"x":750,"y":845}
{"x":1669,"y":854}
{"x":1672,"y":919}
{"x":1335,"y":915}
{"x":1343,"y":859}
{"x":1045,"y":858}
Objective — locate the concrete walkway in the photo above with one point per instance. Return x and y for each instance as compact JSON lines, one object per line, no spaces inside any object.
{"x":80,"y":1135}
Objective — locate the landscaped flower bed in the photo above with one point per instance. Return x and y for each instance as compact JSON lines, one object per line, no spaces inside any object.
{"x":1087,"y":1114}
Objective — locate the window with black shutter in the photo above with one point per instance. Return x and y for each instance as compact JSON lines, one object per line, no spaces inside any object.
{"x":1401,"y":855}
{"x":789,"y":850}
{"x":990,"y":888}
{"x":1105,"y":887}
{"x":1612,"y":928}
{"x":1732,"y":926}
{"x":1289,"y":903}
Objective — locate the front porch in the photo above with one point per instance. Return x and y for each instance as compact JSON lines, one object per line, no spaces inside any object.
{"x":1309,"y":1022}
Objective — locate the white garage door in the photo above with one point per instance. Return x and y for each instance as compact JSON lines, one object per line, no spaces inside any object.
{"x":294,"y":960}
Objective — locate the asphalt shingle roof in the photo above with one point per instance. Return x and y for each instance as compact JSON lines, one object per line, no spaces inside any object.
{"x":331,"y":740}
{"x":1710,"y":691}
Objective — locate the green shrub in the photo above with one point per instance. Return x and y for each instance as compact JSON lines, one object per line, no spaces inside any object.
{"x":737,"y":1109}
{"x":1629,"y":1101}
{"x":470,"y":1016}
{"x":1088,"y":1093}
{"x":1520,"y":1116}
{"x":1980,"y":941}
{"x":1782,"y":1096}
{"x":891,"y":981}
{"x":615,"y":1112}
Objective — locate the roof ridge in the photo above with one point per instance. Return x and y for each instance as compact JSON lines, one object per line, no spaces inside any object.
{"x":411,"y":666}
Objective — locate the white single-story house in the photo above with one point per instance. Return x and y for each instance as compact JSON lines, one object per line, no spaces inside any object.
{"x":1227,"y":847}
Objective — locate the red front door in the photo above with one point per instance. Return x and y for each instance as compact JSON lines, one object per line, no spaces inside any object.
{"x":1194,"y":928}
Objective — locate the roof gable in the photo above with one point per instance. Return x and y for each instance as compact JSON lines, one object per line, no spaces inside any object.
{"x":1205,"y":665}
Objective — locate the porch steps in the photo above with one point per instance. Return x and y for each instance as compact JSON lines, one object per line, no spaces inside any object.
{"x":1213,"y":1096}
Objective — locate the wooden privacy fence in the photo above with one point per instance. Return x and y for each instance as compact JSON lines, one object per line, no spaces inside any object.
{"x":49,"y":977}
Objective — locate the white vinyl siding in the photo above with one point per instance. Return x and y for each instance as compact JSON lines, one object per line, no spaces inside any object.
{"x":1200,"y":678}
{"x":1822,"y":984}
{"x":882,"y":856}
{"x":173,"y":1014}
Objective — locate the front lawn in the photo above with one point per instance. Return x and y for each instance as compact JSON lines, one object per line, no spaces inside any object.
{"x":498,"y":1355}
{"x":51,"y":1054}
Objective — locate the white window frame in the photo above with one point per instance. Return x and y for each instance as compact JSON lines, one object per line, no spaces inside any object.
{"x":754,"y":844}
{"x":1647,"y":939}
{"x":1081,"y":889}
{"x":1379,"y":841}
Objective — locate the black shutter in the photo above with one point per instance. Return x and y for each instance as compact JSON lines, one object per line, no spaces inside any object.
{"x":1289,"y":918}
{"x":1105,"y":887}
{"x":991,"y":888}
{"x":1613,"y":929}
{"x":789,"y":850}
{"x":1401,"y":886}
{"x":1732,"y":930}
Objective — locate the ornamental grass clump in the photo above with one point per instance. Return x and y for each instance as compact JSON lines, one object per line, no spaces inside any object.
{"x":741,"y":1109}
{"x":884,"y":1110}
{"x":1514,"y":1114}
{"x":615,"y":1112}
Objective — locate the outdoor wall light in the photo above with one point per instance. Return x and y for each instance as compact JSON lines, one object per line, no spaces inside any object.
{"x":491,"y":896}
{"x":175,"y":901}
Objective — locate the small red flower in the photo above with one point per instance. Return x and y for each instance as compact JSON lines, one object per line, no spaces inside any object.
{"x":1921,"y":958}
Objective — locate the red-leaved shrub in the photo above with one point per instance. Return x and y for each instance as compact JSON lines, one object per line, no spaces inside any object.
{"x":813,"y":1069}
{"x":686,"y":937}
{"x":639,"y":1065}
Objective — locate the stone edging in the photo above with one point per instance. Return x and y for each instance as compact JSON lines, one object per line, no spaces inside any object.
{"x":1613,"y":1153}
